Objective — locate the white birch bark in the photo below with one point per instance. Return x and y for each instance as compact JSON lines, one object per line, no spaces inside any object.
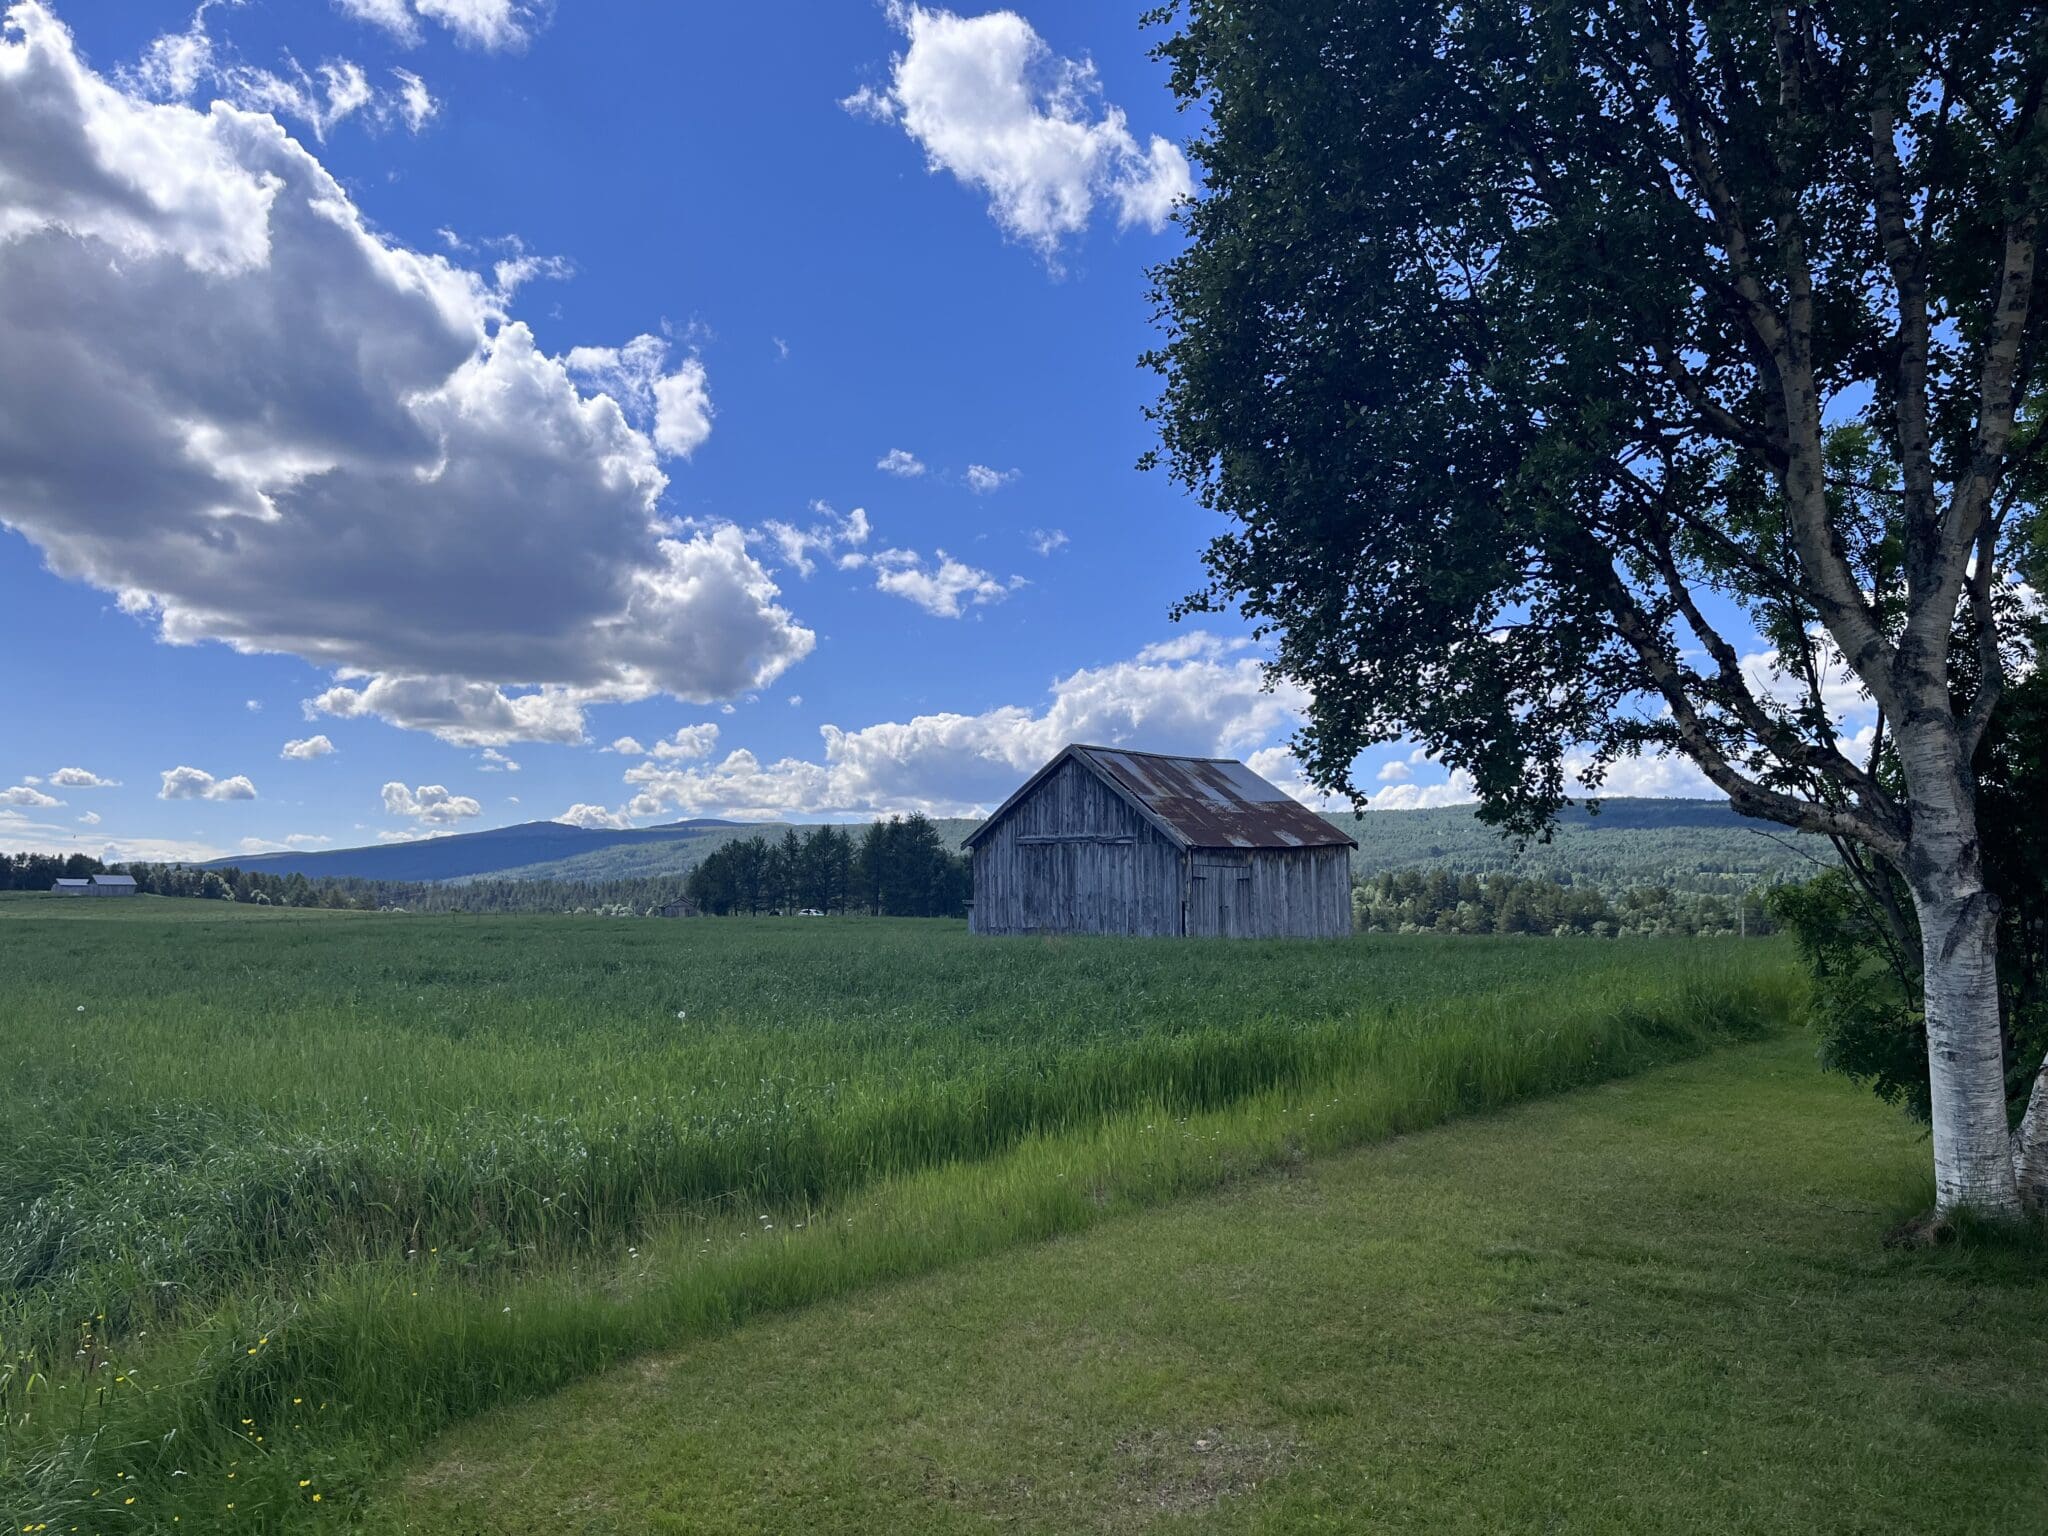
{"x":1973,"y":1163}
{"x":1973,"y":1158}
{"x":2030,"y":1146}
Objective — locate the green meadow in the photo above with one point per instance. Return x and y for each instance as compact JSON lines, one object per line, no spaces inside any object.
{"x":283,"y":1194}
{"x":1655,"y":1307}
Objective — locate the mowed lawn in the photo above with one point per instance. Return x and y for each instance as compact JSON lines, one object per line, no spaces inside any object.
{"x":1661,"y":1304}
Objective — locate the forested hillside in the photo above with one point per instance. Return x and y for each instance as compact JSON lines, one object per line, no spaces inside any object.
{"x":679,"y":856}
{"x":1698,"y":846}
{"x":462,"y":855}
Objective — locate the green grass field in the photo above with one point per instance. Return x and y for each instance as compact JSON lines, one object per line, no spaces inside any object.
{"x":1658,"y":1306}
{"x":287,"y":1192}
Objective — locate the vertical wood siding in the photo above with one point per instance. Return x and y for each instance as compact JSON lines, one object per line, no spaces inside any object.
{"x":1112,"y":871}
{"x":1100,"y":886}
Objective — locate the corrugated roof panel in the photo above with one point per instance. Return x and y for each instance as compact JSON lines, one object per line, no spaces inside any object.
{"x":1249,"y":786}
{"x":1216,"y":802}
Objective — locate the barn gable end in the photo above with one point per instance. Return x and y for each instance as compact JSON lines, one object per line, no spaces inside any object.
{"x":1106,"y":840}
{"x":1074,"y":855}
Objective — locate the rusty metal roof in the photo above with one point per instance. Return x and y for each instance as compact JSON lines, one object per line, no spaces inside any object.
{"x":1201,"y":802}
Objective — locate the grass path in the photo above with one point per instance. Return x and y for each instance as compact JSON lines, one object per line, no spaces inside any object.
{"x":1657,"y":1305}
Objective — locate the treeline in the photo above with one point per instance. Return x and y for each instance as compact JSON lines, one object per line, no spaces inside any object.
{"x":900,"y":868}
{"x":896,"y":868}
{"x":39,"y":871}
{"x":652,"y":894}
{"x":1438,"y":901}
{"x":621,"y":898}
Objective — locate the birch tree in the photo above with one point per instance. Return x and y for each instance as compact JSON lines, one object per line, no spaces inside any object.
{"x":1606,"y":377}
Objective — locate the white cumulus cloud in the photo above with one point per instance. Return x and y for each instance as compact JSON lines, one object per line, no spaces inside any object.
{"x":677,"y":403}
{"x":254,"y":419}
{"x":988,"y":100}
{"x":1198,"y":694}
{"x":82,"y":778}
{"x":982,"y":480}
{"x":177,"y":65}
{"x":184,"y":783}
{"x":27,"y":795}
{"x":1655,"y":775}
{"x":1842,"y":693}
{"x":943,"y":587}
{"x":488,"y":24}
{"x":687,"y":744}
{"x":900,"y":461}
{"x":1047,"y":541}
{"x":801,"y":548}
{"x":581,"y":815}
{"x":431,"y":805}
{"x":306,"y":749}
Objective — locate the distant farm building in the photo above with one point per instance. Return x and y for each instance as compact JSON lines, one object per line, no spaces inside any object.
{"x":1103,"y":840}
{"x":98,"y":885}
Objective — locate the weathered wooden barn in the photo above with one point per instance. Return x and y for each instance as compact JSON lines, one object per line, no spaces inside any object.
{"x":97,"y":885}
{"x":1104,"y":840}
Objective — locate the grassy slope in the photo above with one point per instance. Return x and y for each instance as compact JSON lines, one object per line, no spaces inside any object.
{"x":1656,"y":1306}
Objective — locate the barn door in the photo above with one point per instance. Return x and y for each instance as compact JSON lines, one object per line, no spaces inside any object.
{"x":1220,"y":897}
{"x":1237,"y":920}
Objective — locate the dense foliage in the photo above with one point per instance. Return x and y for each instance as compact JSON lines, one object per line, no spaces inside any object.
{"x":38,"y":871}
{"x":1439,"y":902}
{"x":1502,"y":337}
{"x":1692,"y":847}
{"x":896,"y":868}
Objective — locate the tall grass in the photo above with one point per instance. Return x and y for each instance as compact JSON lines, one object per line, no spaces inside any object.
{"x":336,"y":1185}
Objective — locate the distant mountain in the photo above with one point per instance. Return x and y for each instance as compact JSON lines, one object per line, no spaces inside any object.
{"x":1688,"y":845}
{"x":468,"y":854}
{"x":633,"y":861}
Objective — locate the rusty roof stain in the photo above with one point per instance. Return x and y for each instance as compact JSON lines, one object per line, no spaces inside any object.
{"x":1203,"y":802}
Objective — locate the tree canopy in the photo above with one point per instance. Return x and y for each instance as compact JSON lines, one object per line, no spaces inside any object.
{"x":1600,"y":377}
{"x":1509,"y":334}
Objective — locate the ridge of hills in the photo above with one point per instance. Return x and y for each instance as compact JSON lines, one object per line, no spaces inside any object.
{"x":1692,"y":845}
{"x":468,"y":855}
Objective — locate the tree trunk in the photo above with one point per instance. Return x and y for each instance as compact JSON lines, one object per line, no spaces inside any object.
{"x":1973,"y":1146}
{"x":2030,"y":1146}
{"x":1973,"y":1164}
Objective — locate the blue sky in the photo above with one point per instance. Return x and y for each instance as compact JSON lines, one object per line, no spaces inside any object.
{"x":708,"y":409}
